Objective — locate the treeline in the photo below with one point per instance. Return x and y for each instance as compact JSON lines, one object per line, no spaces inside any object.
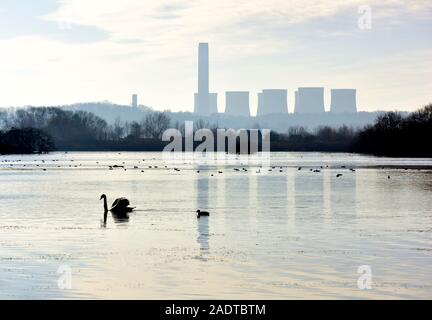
{"x":46,"y":129}
{"x":323,"y":139}
{"x":396,"y":136}
{"x":81,"y":130}
{"x":392,"y":135}
{"x":22,"y":141}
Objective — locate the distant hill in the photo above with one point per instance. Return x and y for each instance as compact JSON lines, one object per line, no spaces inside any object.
{"x":109,"y":111}
{"x":278,"y":122}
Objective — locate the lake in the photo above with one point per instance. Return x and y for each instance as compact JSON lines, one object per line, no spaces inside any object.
{"x":288,"y":233}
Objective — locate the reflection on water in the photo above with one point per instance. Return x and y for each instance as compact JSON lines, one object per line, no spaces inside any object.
{"x":285,"y":233}
{"x":120,"y":218}
{"x":203,"y":234}
{"x":202,"y":198}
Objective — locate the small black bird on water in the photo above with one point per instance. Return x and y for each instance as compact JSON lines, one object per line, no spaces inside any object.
{"x":202,"y":213}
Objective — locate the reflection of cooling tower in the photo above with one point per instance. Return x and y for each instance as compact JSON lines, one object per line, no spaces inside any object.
{"x":343,"y":100}
{"x":237,"y":103}
{"x":272,"y":101}
{"x":212,"y":103}
{"x":309,"y":100}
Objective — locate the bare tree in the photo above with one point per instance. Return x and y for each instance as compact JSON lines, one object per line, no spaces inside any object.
{"x":117,"y":130}
{"x":155,"y":123}
{"x":3,"y":120}
{"x":135,"y":130}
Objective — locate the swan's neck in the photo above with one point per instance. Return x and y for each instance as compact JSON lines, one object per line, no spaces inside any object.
{"x":105,"y":204}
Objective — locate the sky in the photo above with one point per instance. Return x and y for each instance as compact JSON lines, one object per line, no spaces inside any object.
{"x":55,"y":52}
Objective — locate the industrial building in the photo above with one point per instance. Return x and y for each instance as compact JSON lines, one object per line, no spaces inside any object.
{"x":212,"y":103}
{"x":134,"y":101}
{"x":309,"y":100}
{"x":237,"y":103}
{"x":203,"y":99}
{"x":343,"y":100}
{"x":271,"y":101}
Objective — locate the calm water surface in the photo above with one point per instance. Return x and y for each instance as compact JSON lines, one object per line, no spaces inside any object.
{"x":279,"y":234}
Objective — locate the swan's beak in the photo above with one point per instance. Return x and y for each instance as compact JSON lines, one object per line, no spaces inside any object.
{"x":101,"y":198}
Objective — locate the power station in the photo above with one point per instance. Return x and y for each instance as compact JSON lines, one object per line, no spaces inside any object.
{"x":270,"y":101}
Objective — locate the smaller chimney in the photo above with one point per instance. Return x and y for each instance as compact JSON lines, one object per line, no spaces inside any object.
{"x":135,"y":101}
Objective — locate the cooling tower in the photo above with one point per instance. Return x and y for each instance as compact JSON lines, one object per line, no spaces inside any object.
{"x":343,"y":100}
{"x":260,"y":104}
{"x":272,"y":101}
{"x":237,"y":103}
{"x":309,"y":100}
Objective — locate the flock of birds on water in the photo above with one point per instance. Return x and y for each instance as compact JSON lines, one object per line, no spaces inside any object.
{"x":135,"y":167}
{"x":121,"y":206}
{"x":122,"y":166}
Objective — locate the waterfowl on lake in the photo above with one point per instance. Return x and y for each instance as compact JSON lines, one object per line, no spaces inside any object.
{"x":120,"y":205}
{"x":339,"y":175}
{"x":202,"y":213}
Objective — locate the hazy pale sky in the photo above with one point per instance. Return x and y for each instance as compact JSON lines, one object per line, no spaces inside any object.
{"x":60,"y":52}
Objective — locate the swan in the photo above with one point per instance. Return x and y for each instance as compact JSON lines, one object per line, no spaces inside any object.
{"x":120,"y":205}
